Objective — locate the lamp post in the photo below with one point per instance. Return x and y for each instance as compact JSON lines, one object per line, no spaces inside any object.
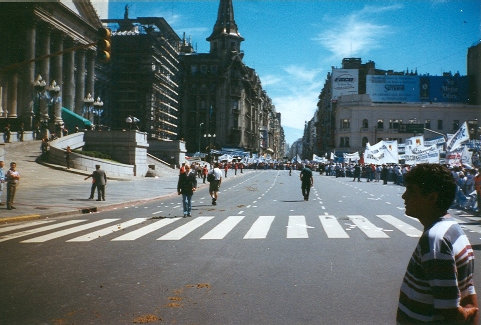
{"x":200,"y":129}
{"x":209,"y":137}
{"x":55,"y":111}
{"x":98,"y":104}
{"x":39,"y":86}
{"x":88,"y":101}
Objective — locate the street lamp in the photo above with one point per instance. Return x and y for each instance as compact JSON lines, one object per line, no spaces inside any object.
{"x":200,"y":128}
{"x":55,"y":111}
{"x":39,"y":86}
{"x":98,"y":104}
{"x":88,"y":101}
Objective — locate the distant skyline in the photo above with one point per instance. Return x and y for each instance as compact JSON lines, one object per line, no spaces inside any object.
{"x":293,"y":44}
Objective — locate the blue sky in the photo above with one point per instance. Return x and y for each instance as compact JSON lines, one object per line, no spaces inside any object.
{"x":293,"y":44}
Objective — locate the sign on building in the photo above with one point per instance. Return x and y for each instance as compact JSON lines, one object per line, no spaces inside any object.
{"x":344,"y":82}
{"x":392,"y":88}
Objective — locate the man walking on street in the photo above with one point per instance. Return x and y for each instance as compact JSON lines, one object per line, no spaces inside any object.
{"x":307,"y":182}
{"x":13,"y":178}
{"x":100,"y":178}
{"x":438,"y":286}
{"x":186,"y":186}
{"x":215,"y":183}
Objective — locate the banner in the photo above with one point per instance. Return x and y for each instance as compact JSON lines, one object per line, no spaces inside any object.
{"x":437,"y":141}
{"x":425,"y":155}
{"x":414,"y":143}
{"x":459,"y":137}
{"x":352,"y":156}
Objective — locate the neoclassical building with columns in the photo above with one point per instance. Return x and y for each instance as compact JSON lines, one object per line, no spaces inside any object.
{"x":50,"y":40}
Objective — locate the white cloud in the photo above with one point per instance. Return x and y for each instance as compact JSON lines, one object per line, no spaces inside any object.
{"x":355,"y":34}
{"x":269,"y":80}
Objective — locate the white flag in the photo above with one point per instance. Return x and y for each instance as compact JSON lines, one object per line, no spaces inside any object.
{"x":459,"y":137}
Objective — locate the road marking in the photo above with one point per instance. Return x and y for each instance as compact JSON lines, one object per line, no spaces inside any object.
{"x":107,"y":231}
{"x":157,"y":212}
{"x":401,"y":225}
{"x":332,"y":227}
{"x":185,"y":229}
{"x":25,"y":225}
{"x":68,"y":231}
{"x":37,"y":230}
{"x":260,"y":228}
{"x":297,"y":227}
{"x":367,"y":227}
{"x":223,"y":228}
{"x":133,"y":235}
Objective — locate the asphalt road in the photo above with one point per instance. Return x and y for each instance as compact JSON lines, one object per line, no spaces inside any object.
{"x":261,"y":256}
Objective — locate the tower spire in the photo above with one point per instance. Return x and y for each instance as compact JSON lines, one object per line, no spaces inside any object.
{"x":225,"y":35}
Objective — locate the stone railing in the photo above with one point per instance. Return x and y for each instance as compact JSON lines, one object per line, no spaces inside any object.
{"x":57,"y":156}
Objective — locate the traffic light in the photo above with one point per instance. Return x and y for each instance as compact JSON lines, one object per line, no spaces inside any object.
{"x":104,"y":45}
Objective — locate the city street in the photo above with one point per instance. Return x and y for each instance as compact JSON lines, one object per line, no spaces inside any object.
{"x":262,"y":255}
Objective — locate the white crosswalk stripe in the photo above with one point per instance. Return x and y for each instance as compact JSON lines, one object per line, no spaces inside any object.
{"x":218,"y":228}
{"x":37,"y":230}
{"x":401,"y":225}
{"x":69,"y":231}
{"x":260,"y":228}
{"x":185,"y":229}
{"x":332,"y":227}
{"x":367,"y":227}
{"x":107,"y":231}
{"x":223,"y":228}
{"x":25,"y":225}
{"x":297,"y":227}
{"x":136,"y":234}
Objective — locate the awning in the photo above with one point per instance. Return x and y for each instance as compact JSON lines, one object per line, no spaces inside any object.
{"x":72,"y":119}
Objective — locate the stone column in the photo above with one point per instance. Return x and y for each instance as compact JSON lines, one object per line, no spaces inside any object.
{"x":69,"y":78}
{"x":57,"y":75}
{"x":89,"y":82}
{"x":44,"y":65}
{"x":80,"y":82}
{"x":2,"y":112}
{"x":12,"y":95}
{"x":29,"y":76}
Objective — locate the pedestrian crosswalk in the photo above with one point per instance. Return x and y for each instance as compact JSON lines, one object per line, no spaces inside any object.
{"x":215,"y":228}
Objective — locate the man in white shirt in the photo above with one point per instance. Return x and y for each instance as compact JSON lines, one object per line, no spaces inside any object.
{"x":215,"y":184}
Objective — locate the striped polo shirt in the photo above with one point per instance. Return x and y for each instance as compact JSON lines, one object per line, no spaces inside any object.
{"x":439,"y":274}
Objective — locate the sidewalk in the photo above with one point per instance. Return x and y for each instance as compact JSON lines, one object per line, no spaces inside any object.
{"x":51,"y":190}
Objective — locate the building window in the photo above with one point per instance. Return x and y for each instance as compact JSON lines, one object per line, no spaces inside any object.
{"x":345,"y":123}
{"x":440,"y":124}
{"x":365,"y":140}
{"x":380,"y":124}
{"x":203,"y":69}
{"x":365,"y":124}
{"x":193,"y":69}
{"x":344,"y":142}
{"x":455,"y":125}
{"x":394,"y":124}
{"x":427,"y":124}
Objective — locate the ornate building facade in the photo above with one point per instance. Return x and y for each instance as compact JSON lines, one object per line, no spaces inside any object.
{"x":223,"y":103}
{"x":50,"y":40}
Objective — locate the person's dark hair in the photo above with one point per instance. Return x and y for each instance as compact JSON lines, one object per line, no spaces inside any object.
{"x":433,"y":178}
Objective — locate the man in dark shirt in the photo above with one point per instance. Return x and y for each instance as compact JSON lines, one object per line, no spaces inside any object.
{"x":306,"y":182}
